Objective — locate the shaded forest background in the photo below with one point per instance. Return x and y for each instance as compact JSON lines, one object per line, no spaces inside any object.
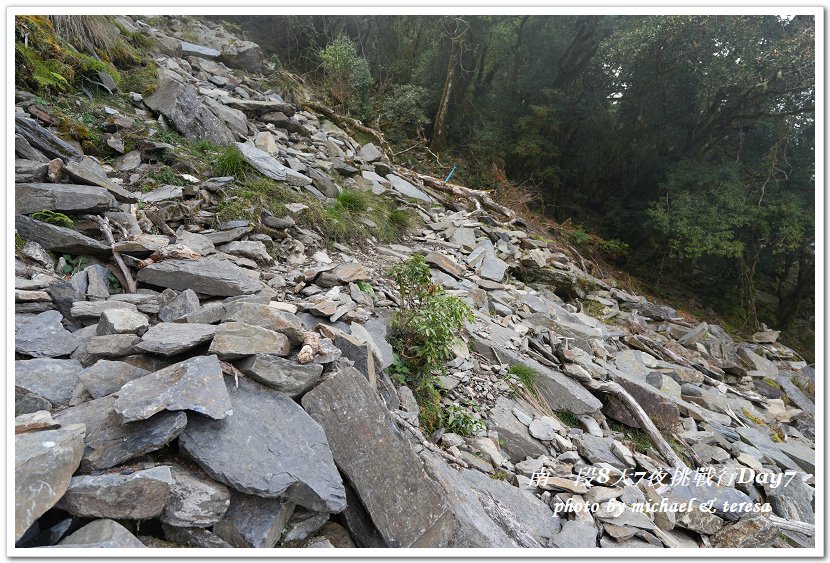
{"x":678,"y":148}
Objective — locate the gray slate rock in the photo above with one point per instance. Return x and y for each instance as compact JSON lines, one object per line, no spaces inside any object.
{"x":237,"y":340}
{"x":369,"y":153}
{"x":180,"y":104}
{"x":106,"y":376}
{"x":257,"y":314}
{"x":183,"y":304}
{"x":137,"y":496}
{"x":597,"y":450}
{"x":263,"y":162}
{"x":45,"y":337}
{"x":65,"y":198}
{"x":88,"y":171}
{"x":792,"y":501}
{"x":109,"y":442}
{"x":253,"y":521}
{"x":44,"y":140}
{"x":559,"y":391}
{"x":196,"y":384}
{"x":518,"y":443}
{"x":102,"y":533}
{"x":408,"y":511}
{"x":51,"y":379}
{"x":122,"y":321}
{"x":196,"y":501}
{"x":210,"y":277}
{"x":575,"y":534}
{"x":405,"y":188}
{"x":255,"y":250}
{"x":196,"y":242}
{"x":189,"y":49}
{"x":492,"y":267}
{"x":290,"y":459}
{"x":285,"y":375}
{"x":44,"y":462}
{"x":169,"y":339}
{"x":59,"y":239}
{"x":87,"y":310}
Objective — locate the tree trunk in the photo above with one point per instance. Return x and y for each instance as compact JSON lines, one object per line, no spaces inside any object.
{"x":439,"y":130}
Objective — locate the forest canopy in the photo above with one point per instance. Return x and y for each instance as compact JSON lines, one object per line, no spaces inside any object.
{"x":685,"y":141}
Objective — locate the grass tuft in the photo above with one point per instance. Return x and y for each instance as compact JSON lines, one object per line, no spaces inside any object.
{"x":526,"y":375}
{"x":231,"y":162}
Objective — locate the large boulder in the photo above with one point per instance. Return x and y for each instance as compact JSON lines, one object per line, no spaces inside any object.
{"x":44,"y":462}
{"x":409,"y":510}
{"x":210,"y":277}
{"x":284,"y":454}
{"x":180,"y":104}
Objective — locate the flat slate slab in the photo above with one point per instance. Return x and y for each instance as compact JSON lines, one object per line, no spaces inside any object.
{"x":405,"y":188}
{"x":409,"y":509}
{"x":102,"y":533}
{"x":137,"y":496}
{"x":210,"y":277}
{"x":44,"y":462}
{"x":45,"y":337}
{"x":283,"y":453}
{"x":53,"y":380}
{"x":109,"y":442}
{"x":169,"y":339}
{"x":196,"y":384}
{"x":66,"y":198}
{"x":59,"y":239}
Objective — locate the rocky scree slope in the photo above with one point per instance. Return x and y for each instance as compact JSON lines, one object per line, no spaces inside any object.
{"x":236,"y":391}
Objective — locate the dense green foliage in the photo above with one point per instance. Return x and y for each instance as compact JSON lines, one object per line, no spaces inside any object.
{"x":423,"y":331}
{"x":687,"y":139}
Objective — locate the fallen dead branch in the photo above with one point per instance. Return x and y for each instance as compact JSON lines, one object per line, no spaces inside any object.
{"x":104,"y":225}
{"x":426,"y":443}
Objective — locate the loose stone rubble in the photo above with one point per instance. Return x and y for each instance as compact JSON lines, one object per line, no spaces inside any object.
{"x":241,"y":396}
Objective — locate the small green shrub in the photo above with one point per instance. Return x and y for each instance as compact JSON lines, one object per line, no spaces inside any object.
{"x":568,"y":419}
{"x":164,"y":175}
{"x":639,"y":439}
{"x":401,"y":112}
{"x":231,"y":162}
{"x":526,"y":375}
{"x":54,"y":218}
{"x":347,"y":76}
{"x":74,"y":264}
{"x":423,"y":330}
{"x":578,"y":237}
{"x":459,"y":421}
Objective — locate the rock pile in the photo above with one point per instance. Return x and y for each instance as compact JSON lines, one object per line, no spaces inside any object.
{"x":240,"y":396}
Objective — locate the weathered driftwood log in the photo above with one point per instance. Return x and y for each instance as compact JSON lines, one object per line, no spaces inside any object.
{"x":794,"y":526}
{"x":311,"y":345}
{"x":638,"y":413}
